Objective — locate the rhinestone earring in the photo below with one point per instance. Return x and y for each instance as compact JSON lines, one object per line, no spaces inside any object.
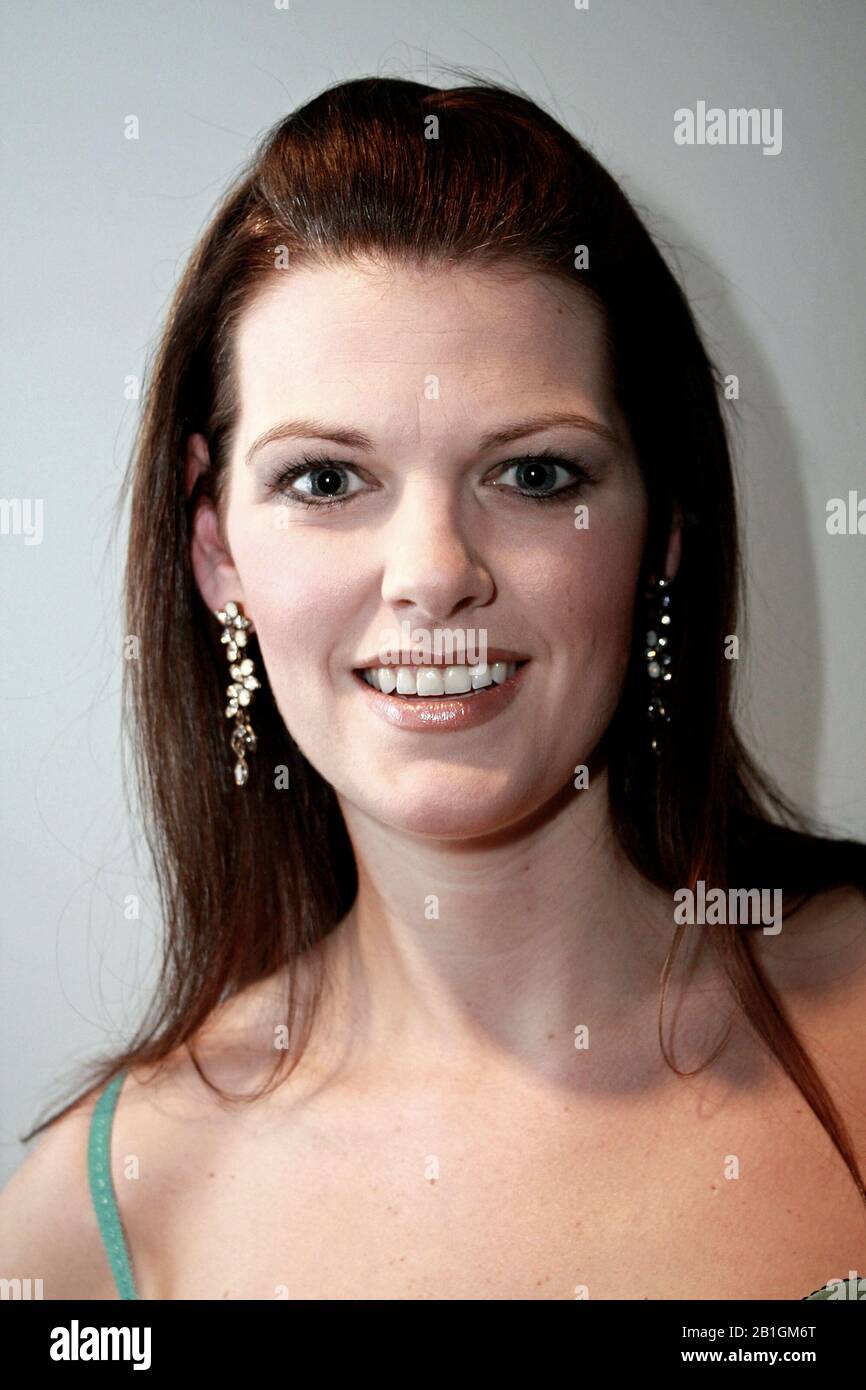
{"x":658,"y":656}
{"x":243,"y":687}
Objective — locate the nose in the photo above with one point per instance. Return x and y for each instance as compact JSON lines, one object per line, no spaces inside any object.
{"x":431,"y":565}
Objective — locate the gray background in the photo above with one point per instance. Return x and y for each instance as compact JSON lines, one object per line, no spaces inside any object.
{"x":96,"y":231}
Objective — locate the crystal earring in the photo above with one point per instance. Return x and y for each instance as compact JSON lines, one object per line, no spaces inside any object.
{"x":658,"y":656}
{"x":244,"y":685}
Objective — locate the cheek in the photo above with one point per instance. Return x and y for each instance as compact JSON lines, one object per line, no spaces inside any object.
{"x":597,"y":598}
{"x":587,"y":588}
{"x":587,"y":583}
{"x":299,"y":599}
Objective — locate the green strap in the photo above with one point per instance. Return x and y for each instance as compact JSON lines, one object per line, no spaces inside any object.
{"x":102,"y":1188}
{"x":826,"y":1291}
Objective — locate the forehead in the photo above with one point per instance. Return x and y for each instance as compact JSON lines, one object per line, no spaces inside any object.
{"x":371,"y":339}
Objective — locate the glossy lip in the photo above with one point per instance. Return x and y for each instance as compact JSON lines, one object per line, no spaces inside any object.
{"x":442,"y":713}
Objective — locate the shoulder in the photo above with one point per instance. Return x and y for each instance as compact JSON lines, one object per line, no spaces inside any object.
{"x":48,"y":1228}
{"x":163,"y":1116}
{"x":167,"y":1122}
{"x":176,"y":1122}
{"x":817,"y":965}
{"x":820,"y":949}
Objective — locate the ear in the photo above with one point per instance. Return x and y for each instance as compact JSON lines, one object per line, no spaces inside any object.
{"x":675,"y":545}
{"x":215,"y":574}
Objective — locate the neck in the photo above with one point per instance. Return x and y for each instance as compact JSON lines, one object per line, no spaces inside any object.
{"x":477,"y":951}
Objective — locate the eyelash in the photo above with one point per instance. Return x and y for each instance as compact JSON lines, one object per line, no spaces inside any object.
{"x":320,"y":462}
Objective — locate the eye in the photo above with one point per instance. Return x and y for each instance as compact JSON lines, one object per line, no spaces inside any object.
{"x":544,"y":476}
{"x":316,"y":481}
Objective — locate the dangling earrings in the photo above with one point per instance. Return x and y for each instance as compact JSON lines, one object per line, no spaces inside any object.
{"x":658,"y":656}
{"x":244,"y":684}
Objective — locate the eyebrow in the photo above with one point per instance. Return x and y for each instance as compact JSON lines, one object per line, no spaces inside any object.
{"x":355,"y":439}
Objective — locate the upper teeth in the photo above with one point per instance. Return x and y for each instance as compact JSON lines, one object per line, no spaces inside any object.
{"x":438,"y":680}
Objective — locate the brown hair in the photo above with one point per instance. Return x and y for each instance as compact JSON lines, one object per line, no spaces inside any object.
{"x":479,"y":175}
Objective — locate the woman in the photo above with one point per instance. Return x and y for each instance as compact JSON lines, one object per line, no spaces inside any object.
{"x":433,"y":1021}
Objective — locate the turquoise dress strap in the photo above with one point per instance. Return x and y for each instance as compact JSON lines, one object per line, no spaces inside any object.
{"x":826,"y":1291}
{"x":102,"y":1188}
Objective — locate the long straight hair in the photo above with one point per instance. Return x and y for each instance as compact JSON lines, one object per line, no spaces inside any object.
{"x":476,"y":175}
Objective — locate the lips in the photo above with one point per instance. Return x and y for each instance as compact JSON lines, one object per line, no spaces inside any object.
{"x":445,"y":712}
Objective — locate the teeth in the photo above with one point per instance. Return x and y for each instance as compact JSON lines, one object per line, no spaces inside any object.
{"x":427,"y":681}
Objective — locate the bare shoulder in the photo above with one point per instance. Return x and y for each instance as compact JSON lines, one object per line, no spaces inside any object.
{"x":820,"y":949}
{"x":48,"y":1228}
{"x":166,"y":1119}
{"x":817,"y":962}
{"x":178,"y":1122}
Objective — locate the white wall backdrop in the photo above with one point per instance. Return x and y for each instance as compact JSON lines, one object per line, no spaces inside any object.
{"x":95,"y":232}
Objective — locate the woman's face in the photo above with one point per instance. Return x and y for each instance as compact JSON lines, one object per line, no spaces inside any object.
{"x":435,"y":527}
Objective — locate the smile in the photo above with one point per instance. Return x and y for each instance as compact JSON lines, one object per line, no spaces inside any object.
{"x":432,"y":682}
{"x":440,"y":698}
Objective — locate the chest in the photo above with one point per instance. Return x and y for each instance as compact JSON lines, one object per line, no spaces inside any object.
{"x":693,"y":1193}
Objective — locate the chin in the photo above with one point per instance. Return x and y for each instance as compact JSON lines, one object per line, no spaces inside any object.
{"x":448,"y":803}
